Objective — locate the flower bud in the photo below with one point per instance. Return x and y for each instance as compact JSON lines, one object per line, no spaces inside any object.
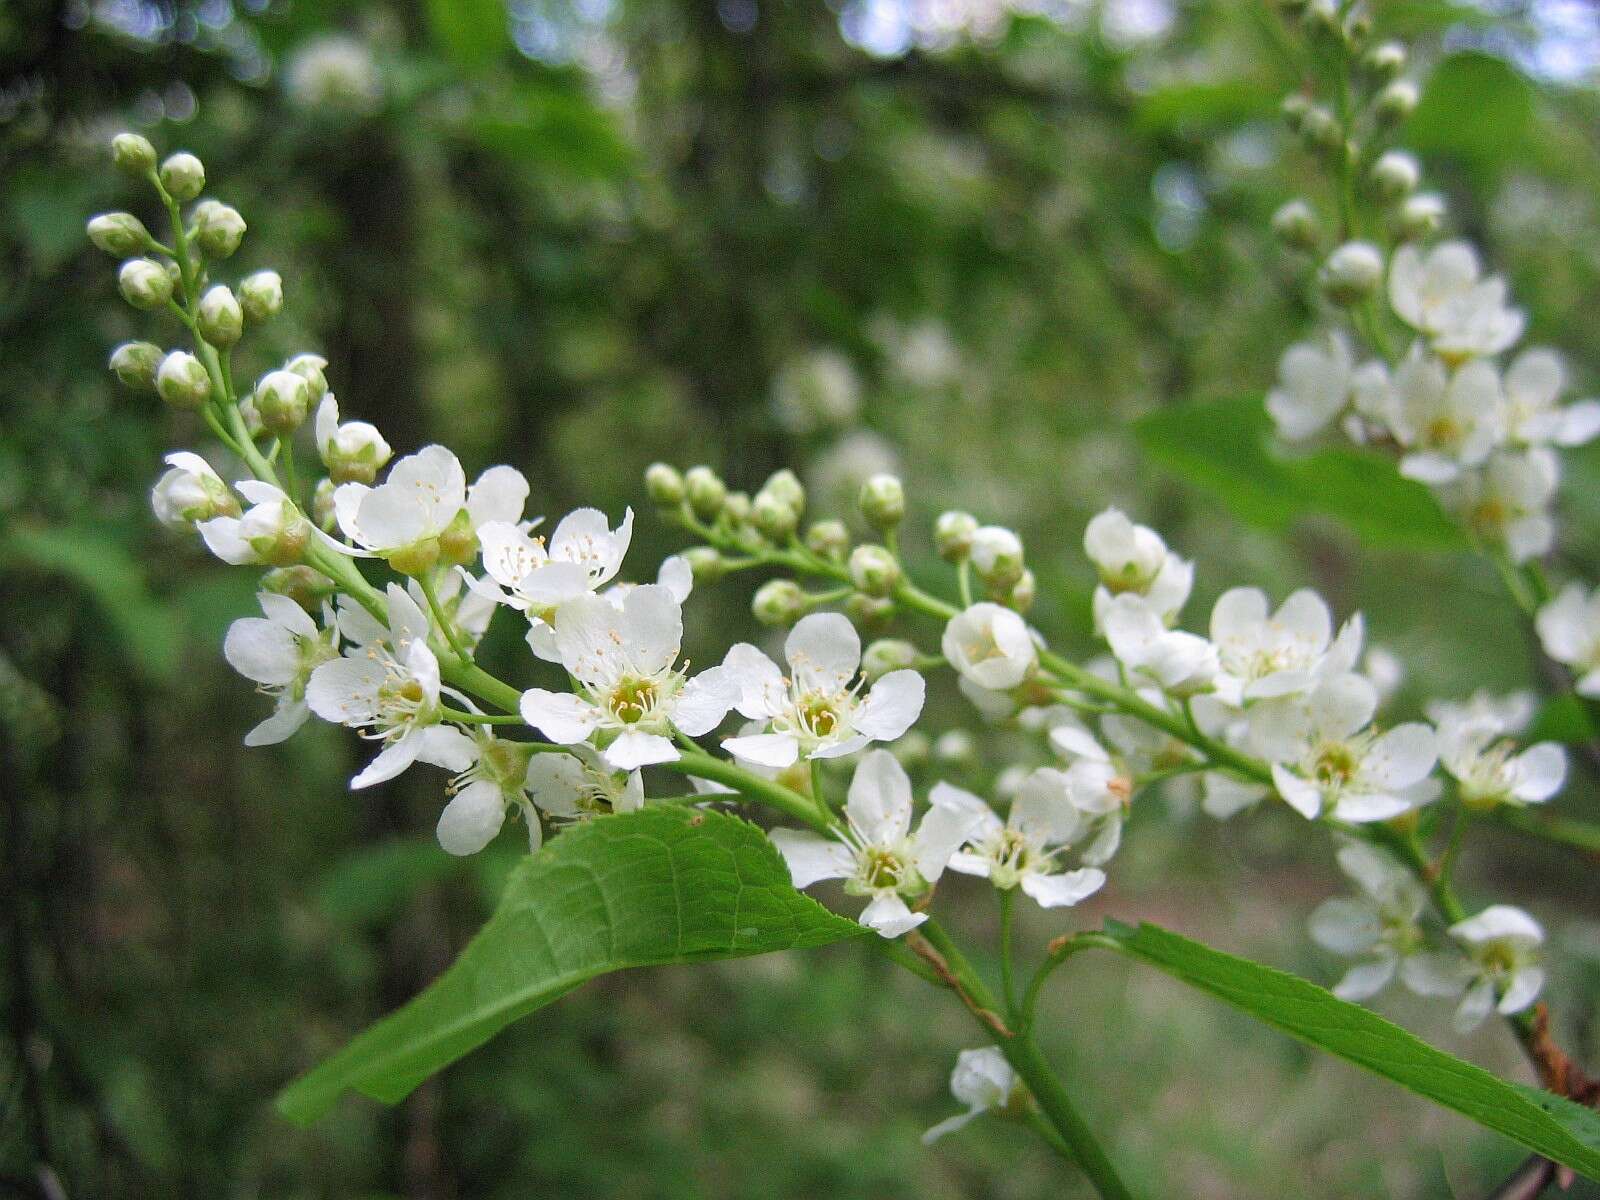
{"x":868,"y":611}
{"x":133,"y":154}
{"x":1352,"y":273}
{"x":219,"y":317}
{"x":779,"y":602}
{"x":1357,"y":27}
{"x":144,"y":283}
{"x":952,"y":535}
{"x":251,"y":417}
{"x":1321,"y":18}
{"x":705,"y":563}
{"x":283,"y":400}
{"x":1296,"y":226}
{"x":1024,"y":592}
{"x":306,"y":586}
{"x":181,"y":380}
{"x":1395,"y":174}
{"x":910,"y":750}
{"x":664,"y":484}
{"x":119,"y":234}
{"x":218,"y":228}
{"x":310,"y":367}
{"x":874,"y":570}
{"x":261,"y":295}
{"x":1294,"y":108}
{"x":772,"y":516}
{"x":882,"y":501}
{"x":706,"y":492}
{"x":828,"y":539}
{"x":322,"y":511}
{"x":190,"y":491}
{"x":136,"y":364}
{"x":1421,"y":215}
{"x":1396,"y":102}
{"x":885,"y":655}
{"x":1321,"y":130}
{"x":183,"y":176}
{"x":785,"y":485}
{"x":1384,"y":61}
{"x":737,"y":507}
{"x":997,"y":557}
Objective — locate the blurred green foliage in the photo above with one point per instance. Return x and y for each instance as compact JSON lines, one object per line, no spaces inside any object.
{"x":580,"y":237}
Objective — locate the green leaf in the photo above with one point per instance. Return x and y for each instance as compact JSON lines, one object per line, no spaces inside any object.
{"x":1563,"y":719}
{"x":1499,"y":99}
{"x":472,"y":33}
{"x":663,"y":885}
{"x":1205,"y":105}
{"x":1226,"y":448}
{"x":1544,"y":1123}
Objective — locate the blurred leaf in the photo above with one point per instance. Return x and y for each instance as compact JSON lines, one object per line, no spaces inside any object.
{"x":1205,"y":105}
{"x":663,"y":885}
{"x":1225,"y":447}
{"x":472,"y":33}
{"x":1562,"y":719}
{"x":1545,"y":1123}
{"x":555,"y":128}
{"x":372,"y":883}
{"x":147,"y":631}
{"x":1496,"y":96}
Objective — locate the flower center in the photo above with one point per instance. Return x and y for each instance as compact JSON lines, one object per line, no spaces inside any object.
{"x":881,"y":868}
{"x":819,"y":714}
{"x":1335,"y":765}
{"x":633,"y":699}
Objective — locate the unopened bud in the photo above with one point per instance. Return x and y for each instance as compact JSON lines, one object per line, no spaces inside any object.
{"x":828,"y":539}
{"x":119,"y":234}
{"x":1352,"y":273}
{"x":885,"y":655}
{"x":665,"y":485}
{"x":773,"y":516}
{"x":305,"y":585}
{"x":250,"y":417}
{"x":1023,"y":593}
{"x":1421,"y":215}
{"x":883,"y":501}
{"x":779,"y":602}
{"x":181,"y":380}
{"x":219,"y":317}
{"x":191,"y":491}
{"x":706,"y":492}
{"x":322,"y":510}
{"x":1396,"y":102}
{"x":956,"y":748}
{"x":282,"y":399}
{"x":133,"y":154}
{"x":1296,"y":226}
{"x":136,"y":364}
{"x":997,"y":557}
{"x":1395,"y":174}
{"x":1357,"y":27}
{"x":952,"y":535}
{"x":1294,"y":108}
{"x":261,"y":295}
{"x":1321,"y":18}
{"x":873,"y":570}
{"x":183,"y":176}
{"x":144,"y":283}
{"x":786,"y":486}
{"x":310,"y":367}
{"x":218,"y":228}
{"x":1322,"y":131}
{"x":705,"y":563}
{"x":1384,"y":61}
{"x":868,"y":611}
{"x":737,"y":507}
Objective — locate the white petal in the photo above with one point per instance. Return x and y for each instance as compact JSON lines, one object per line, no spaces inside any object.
{"x":637,"y":749}
{"x":949,"y":1125}
{"x":1474,"y":1007}
{"x":889,"y":916}
{"x":1434,"y":974}
{"x":677,"y":576}
{"x":704,"y":701}
{"x":1365,"y":979}
{"x":879,"y":800}
{"x":1400,"y":757}
{"x":560,"y":716}
{"x":823,"y":651}
{"x":1539,"y":772}
{"x":1524,"y":988}
{"x":470,"y":821}
{"x":556,"y":782}
{"x":1067,"y":888}
{"x":892,"y":706}
{"x":445,"y":746}
{"x":222,"y":538}
{"x":498,"y":495}
{"x":1496,"y":922}
{"x":764,"y":749}
{"x":345,"y":691}
{"x":1346,"y":926}
{"x":1301,"y":795}
{"x":1364,"y":807}
{"x":262,"y":650}
{"x":392,"y":759}
{"x":761,"y":686}
{"x":811,"y":858}
{"x":942,"y":831}
{"x":287,"y":613}
{"x":652,"y":626}
{"x":1238,"y":613}
{"x":280,"y":726}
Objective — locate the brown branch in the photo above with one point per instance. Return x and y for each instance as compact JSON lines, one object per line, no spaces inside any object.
{"x":924,"y":949}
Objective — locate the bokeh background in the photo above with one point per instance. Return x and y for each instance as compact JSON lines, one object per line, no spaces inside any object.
{"x":980,"y":242}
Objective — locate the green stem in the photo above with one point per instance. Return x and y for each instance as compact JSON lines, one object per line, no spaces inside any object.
{"x":819,"y":794}
{"x":1008,"y":914}
{"x":768,"y":791}
{"x":442,"y":619}
{"x":462,"y":717}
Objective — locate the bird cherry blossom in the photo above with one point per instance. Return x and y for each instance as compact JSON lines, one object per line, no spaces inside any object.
{"x":1177,"y":662}
{"x":1440,"y":294}
{"x":1025,"y":849}
{"x":573,"y":787}
{"x":1445,"y":421}
{"x":1380,"y":926}
{"x":1487,"y":768}
{"x":1502,"y":943}
{"x":982,"y":1080}
{"x":278,"y":652}
{"x":1569,"y":629}
{"x":1264,"y":654}
{"x":1508,"y":501}
{"x":190,"y":492}
{"x":1314,"y":386}
{"x":989,"y":645}
{"x":272,"y":531}
{"x":1534,"y":416}
{"x":1134,"y":558}
{"x":353,"y":452}
{"x":480,"y":795}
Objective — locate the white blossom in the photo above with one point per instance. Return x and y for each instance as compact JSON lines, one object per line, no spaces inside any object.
{"x":1380,"y":926}
{"x":1569,"y":629}
{"x":1508,"y":500}
{"x":1262,"y":654}
{"x":1534,"y":383}
{"x":1487,"y":768}
{"x":1025,"y":849}
{"x":352,"y":451}
{"x":982,"y":1080}
{"x":494,"y":783}
{"x":271,"y":531}
{"x":189,"y":492}
{"x":1502,"y":943}
{"x":1314,"y":385}
{"x":1133,"y":558}
{"x":1440,"y":294}
{"x":879,"y":855}
{"x":1444,"y":421}
{"x":817,"y":710}
{"x":990,"y":645}
{"x":574,"y":787}
{"x":1177,"y":662}
{"x":421,"y":496}
{"x":279,"y":652}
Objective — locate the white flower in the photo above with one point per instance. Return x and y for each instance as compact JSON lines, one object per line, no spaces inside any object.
{"x":1440,"y":294}
{"x":1380,"y":926}
{"x":990,"y":645}
{"x":1444,"y":422}
{"x":574,"y":787}
{"x":1179,"y":663}
{"x":354,"y":451}
{"x":1534,"y":415}
{"x":421,"y":496}
{"x":1314,"y":382}
{"x":279,"y":652}
{"x":1509,"y":500}
{"x":1327,"y":762}
{"x":1264,"y":654}
{"x":1474,"y":750}
{"x":879,"y":855}
{"x":1505,"y":714}
{"x":1569,"y":629}
{"x":1503,"y":944}
{"x":1024,"y":851}
{"x":494,"y":782}
{"x":982,"y":1080}
{"x":1133,"y":558}
{"x":818,"y":710}
{"x":1098,"y":786}
{"x":819,"y":390}
{"x":388,"y":686}
{"x":191,"y":491}
{"x":334,"y":72}
{"x":631,"y":693}
{"x":272,"y":531}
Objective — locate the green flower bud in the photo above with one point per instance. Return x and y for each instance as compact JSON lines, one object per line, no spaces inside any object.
{"x":737,"y":507}
{"x":1396,"y":102}
{"x":1296,"y":226}
{"x":773,"y":516}
{"x":1295,"y":106}
{"x":261,"y":295}
{"x":219,"y":317}
{"x":785,"y":485}
{"x":133,"y":154}
{"x":706,"y":563}
{"x":706,"y":492}
{"x":282,"y":399}
{"x":882,"y":501}
{"x":217,"y":228}
{"x":952,"y":535}
{"x":181,"y":380}
{"x":873,"y":570}
{"x":779,"y":602}
{"x":306,"y":586}
{"x":1023,"y":593}
{"x":183,"y":176}
{"x":885,"y":655}
{"x":868,"y":611}
{"x":1395,"y":174}
{"x":144,"y":283}
{"x":1352,"y":273}
{"x":310,"y":367}
{"x":1384,"y":61}
{"x":119,"y":234}
{"x":1321,"y":130}
{"x":136,"y":364}
{"x":828,"y":539}
{"x":322,"y":511}
{"x":997,"y":557}
{"x":1421,"y":215}
{"x":665,"y":485}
